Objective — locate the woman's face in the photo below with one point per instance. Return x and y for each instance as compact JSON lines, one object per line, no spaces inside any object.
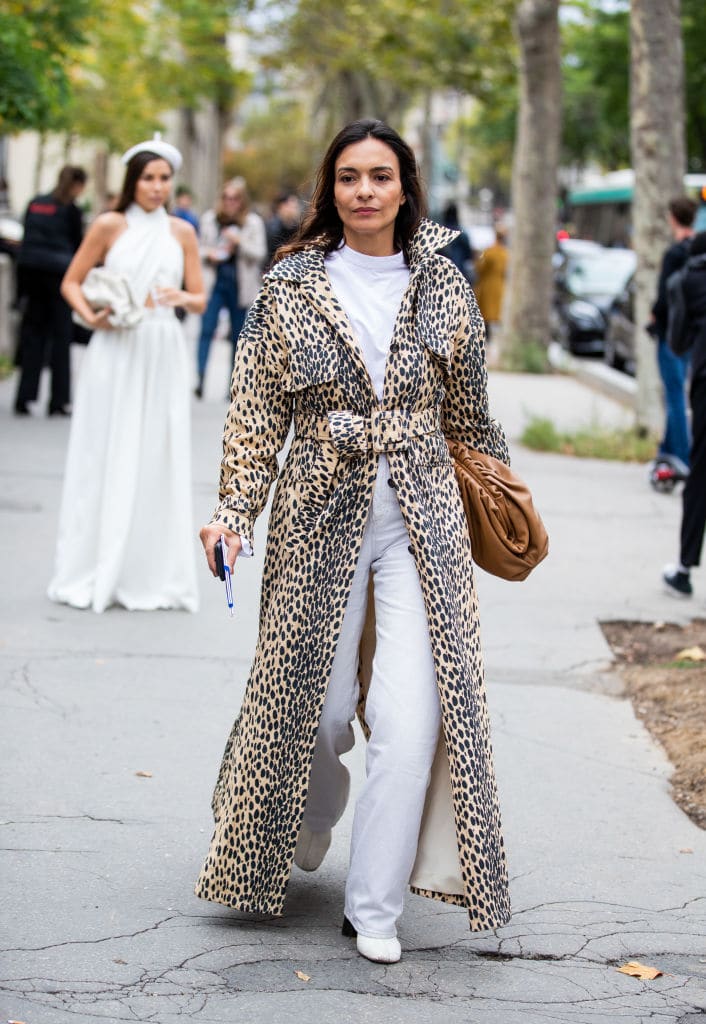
{"x":231,"y":200}
{"x":368,"y":194}
{"x":154,"y":186}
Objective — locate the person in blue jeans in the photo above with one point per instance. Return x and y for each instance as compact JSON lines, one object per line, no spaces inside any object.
{"x":673,"y":368}
{"x":234,"y":247}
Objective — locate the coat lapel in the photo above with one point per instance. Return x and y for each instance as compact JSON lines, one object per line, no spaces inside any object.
{"x":308,"y":269}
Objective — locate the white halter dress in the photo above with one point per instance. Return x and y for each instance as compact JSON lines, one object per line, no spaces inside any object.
{"x":125,"y":528}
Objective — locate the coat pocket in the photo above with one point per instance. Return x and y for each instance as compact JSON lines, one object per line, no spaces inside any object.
{"x":310,"y":365}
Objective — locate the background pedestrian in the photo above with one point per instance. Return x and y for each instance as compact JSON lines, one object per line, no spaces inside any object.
{"x":673,"y":369}
{"x":183,"y":206}
{"x":53,"y":228}
{"x":491,"y":274}
{"x":284,"y":222}
{"x":692,"y":340}
{"x":233,"y":248}
{"x":125,"y":522}
{"x":460,"y":250}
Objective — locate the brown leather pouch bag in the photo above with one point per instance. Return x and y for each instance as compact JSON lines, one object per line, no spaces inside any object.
{"x":508,"y":537}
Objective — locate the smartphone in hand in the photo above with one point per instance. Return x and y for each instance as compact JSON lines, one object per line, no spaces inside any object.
{"x":223,"y":569}
{"x":220,"y":553}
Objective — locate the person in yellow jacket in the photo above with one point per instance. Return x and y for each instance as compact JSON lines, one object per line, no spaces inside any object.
{"x":491,"y":271}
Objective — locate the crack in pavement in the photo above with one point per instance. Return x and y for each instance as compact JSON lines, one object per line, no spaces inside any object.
{"x":41,"y":819}
{"x":90,"y":942}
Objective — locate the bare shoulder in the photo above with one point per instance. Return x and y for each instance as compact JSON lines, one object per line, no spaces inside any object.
{"x":107,"y":226}
{"x":182,"y":230}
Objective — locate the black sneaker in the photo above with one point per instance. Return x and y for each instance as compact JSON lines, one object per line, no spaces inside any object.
{"x":677,"y":583}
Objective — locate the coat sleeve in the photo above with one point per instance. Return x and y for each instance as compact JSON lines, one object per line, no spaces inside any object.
{"x":465,"y":415}
{"x":678,"y":334}
{"x":253,"y":240}
{"x":257,"y":422}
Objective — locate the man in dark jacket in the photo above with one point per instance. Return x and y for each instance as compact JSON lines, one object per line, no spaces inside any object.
{"x":53,"y":230}
{"x":673,"y":369}
{"x":690,"y":337}
{"x":283,"y":224}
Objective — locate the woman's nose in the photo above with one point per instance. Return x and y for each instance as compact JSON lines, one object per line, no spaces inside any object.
{"x":364,"y":187}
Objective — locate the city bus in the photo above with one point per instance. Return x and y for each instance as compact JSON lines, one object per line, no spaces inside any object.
{"x":602,"y":212}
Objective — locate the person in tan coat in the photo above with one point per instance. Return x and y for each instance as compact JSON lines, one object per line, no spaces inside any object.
{"x":370,"y":343}
{"x":491,"y":271}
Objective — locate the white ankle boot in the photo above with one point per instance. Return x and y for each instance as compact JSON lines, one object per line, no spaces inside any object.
{"x":381,"y":951}
{"x":311,"y":848}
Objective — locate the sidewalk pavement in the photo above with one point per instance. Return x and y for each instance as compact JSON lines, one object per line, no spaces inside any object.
{"x":98,"y":918}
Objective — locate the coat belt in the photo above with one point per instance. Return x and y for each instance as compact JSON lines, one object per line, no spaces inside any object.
{"x":385,"y":430}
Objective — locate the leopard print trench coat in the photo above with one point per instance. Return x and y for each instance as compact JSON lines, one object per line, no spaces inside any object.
{"x":298,"y":360}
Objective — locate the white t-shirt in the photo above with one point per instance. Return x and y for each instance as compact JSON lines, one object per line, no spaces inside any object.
{"x":370,"y":289}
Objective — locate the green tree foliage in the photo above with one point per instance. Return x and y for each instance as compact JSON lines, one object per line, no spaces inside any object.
{"x":362,"y":63}
{"x":194,"y":63}
{"x":34,"y":42}
{"x":596,"y":64}
{"x":110,"y":69}
{"x":115,"y":98}
{"x":694,"y":28}
{"x":597,"y":84}
{"x":277,"y":151}
{"x":596,"y":94}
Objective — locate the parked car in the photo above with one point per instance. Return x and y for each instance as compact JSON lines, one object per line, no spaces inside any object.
{"x":587,"y":279}
{"x":619,"y":343}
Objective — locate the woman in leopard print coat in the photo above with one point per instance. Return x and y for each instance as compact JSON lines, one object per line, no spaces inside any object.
{"x":299,"y":361}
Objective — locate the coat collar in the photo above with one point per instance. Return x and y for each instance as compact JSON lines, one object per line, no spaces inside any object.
{"x":308,"y":265}
{"x":308,"y":269}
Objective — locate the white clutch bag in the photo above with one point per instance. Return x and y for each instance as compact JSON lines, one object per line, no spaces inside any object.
{"x":104,"y":288}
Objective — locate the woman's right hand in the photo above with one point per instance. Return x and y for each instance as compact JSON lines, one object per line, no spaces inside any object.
{"x":98,"y":320}
{"x":210,"y":535}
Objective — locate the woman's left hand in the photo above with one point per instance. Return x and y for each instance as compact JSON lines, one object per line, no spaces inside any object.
{"x":171,"y":297}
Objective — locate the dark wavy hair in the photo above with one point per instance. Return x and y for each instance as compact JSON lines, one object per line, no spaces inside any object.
{"x":323,"y":228}
{"x":133,"y":173}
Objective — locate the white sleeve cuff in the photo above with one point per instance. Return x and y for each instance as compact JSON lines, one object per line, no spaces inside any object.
{"x":246,"y":550}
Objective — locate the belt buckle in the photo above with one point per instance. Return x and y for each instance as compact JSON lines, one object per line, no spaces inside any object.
{"x":390,"y":430}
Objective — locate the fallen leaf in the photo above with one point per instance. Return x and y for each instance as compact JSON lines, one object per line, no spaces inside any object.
{"x":302,"y":976}
{"x":144,"y":775}
{"x":637,"y":970}
{"x":691,"y":654}
{"x":686,"y":849}
{"x":117,"y":960}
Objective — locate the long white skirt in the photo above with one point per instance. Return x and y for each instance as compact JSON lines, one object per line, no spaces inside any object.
{"x":125,"y":528}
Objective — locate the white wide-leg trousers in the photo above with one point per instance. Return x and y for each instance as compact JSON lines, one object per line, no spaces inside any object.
{"x":402,"y":711}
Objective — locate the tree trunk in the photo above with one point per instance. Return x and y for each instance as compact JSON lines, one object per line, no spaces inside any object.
{"x":659,"y":159}
{"x":200,"y":139}
{"x":100,"y":178}
{"x":534,"y":173}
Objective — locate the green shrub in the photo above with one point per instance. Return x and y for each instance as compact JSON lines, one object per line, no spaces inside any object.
{"x":524,"y":357}
{"x":592,"y":442}
{"x":6,"y":367}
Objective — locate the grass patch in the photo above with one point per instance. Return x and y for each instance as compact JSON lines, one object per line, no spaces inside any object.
{"x":524,"y":357}
{"x":7,"y":367}
{"x":593,"y":442}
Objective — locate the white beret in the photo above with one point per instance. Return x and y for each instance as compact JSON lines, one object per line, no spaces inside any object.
{"x":156,"y":145}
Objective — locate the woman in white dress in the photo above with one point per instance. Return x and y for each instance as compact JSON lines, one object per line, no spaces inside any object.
{"x":125,"y":533}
